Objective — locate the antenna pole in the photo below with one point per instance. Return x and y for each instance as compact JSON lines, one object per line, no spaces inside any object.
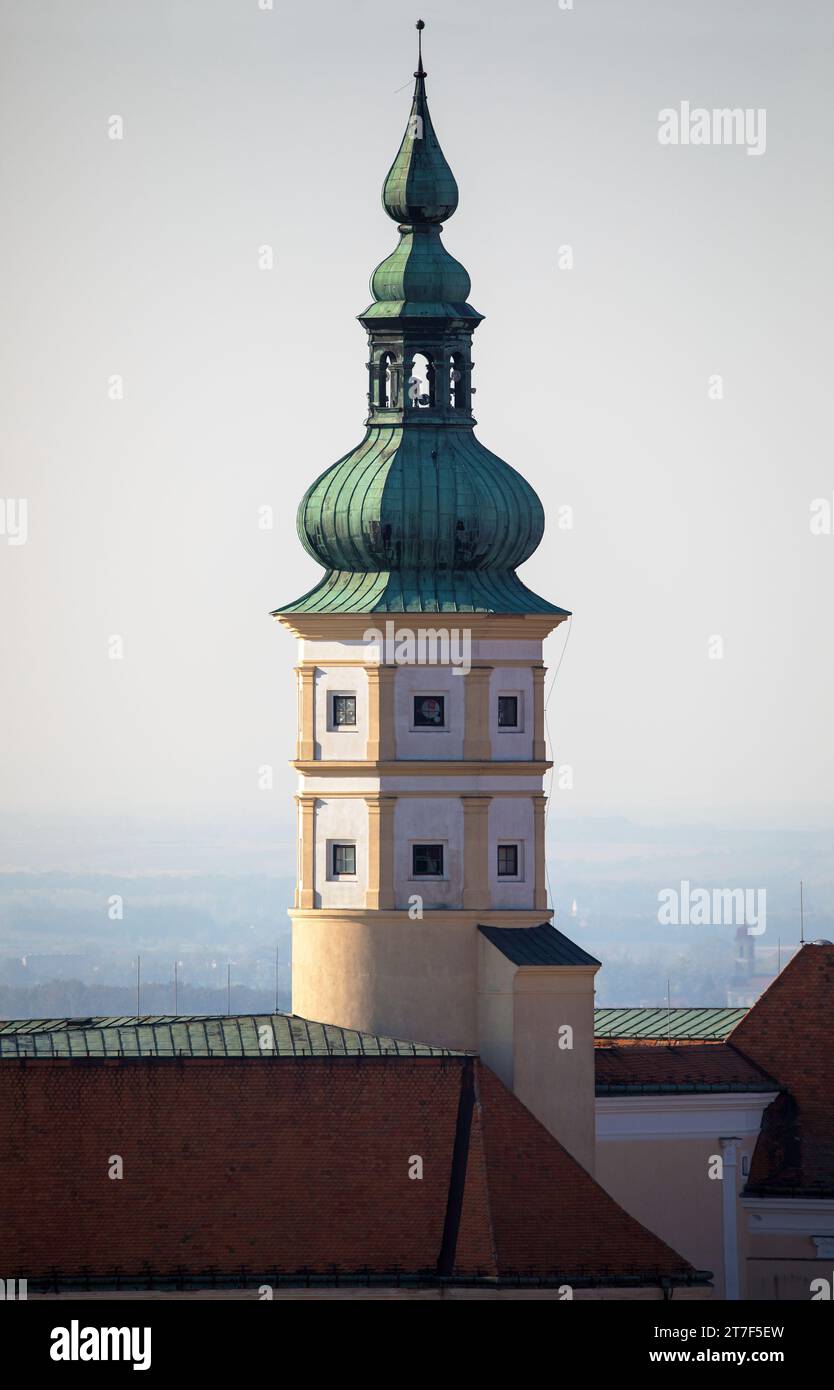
{"x":138,"y":983}
{"x":801,"y":914}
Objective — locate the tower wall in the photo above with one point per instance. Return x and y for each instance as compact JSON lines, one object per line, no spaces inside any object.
{"x":386,"y":950}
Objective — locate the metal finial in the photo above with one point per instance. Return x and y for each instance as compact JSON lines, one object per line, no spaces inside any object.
{"x":420,"y":26}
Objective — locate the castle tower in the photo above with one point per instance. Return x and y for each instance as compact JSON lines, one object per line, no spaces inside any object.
{"x":421,"y":905}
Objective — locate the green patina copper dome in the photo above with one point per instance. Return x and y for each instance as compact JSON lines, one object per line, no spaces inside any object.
{"x":429,"y":518}
{"x":420,"y":186}
{"x":420,"y":516}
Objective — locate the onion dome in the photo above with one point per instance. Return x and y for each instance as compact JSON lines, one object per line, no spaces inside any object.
{"x":420,"y":186}
{"x":420,"y":279}
{"x":424,"y":520}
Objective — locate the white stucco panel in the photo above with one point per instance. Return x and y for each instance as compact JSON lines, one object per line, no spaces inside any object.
{"x":430,"y":821}
{"x":447,"y":742}
{"x":347,"y":742}
{"x":510,"y":744}
{"x":511,"y":822}
{"x":342,"y":820}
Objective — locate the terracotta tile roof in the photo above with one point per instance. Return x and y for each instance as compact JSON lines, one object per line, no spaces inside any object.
{"x":298,"y":1168}
{"x":656,"y":1068}
{"x":789,"y":1032}
{"x":547,"y":1213}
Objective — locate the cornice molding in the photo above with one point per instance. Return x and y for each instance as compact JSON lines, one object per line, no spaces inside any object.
{"x":681,"y":1116}
{"x":337,"y":627}
{"x":328,"y":767}
{"x":463,"y":917}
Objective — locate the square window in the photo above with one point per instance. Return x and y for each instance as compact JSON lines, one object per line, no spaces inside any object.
{"x":429,"y":711}
{"x":508,"y":861}
{"x":344,"y":711}
{"x":508,"y":711}
{"x":344,"y":860}
{"x":427,"y":861}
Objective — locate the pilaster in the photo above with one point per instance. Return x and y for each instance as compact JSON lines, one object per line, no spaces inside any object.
{"x":306,"y":746}
{"x":306,"y":893}
{"x":476,"y":851}
{"x":476,"y":739}
{"x":539,"y":852}
{"x":539,"y":751}
{"x":380,"y":890}
{"x":381,"y":743}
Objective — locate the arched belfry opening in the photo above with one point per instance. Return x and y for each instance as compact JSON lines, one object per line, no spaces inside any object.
{"x":457,"y":381}
{"x":421,"y":382}
{"x":387,"y":381}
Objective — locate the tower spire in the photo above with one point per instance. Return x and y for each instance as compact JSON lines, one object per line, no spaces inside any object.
{"x":420,"y":516}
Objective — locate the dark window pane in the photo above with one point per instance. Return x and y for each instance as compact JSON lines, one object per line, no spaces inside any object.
{"x":344,"y":859}
{"x":508,"y":711}
{"x":508,"y":861}
{"x":427,"y":861}
{"x":429,"y":711}
{"x":344,"y":709}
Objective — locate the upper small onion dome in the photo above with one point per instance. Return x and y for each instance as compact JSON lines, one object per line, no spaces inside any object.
{"x":420,"y":186}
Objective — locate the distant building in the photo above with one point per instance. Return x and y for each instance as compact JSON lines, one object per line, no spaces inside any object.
{"x":678,"y":1089}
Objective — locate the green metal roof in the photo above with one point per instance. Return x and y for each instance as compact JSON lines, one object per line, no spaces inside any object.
{"x":542,"y":945}
{"x":706,"y":1024}
{"x":198,"y":1035}
{"x":425,"y":520}
{"x":420,"y":517}
{"x":420,"y":186}
{"x":420,"y":280}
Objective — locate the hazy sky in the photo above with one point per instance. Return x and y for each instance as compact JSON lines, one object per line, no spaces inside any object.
{"x":139,"y":258}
